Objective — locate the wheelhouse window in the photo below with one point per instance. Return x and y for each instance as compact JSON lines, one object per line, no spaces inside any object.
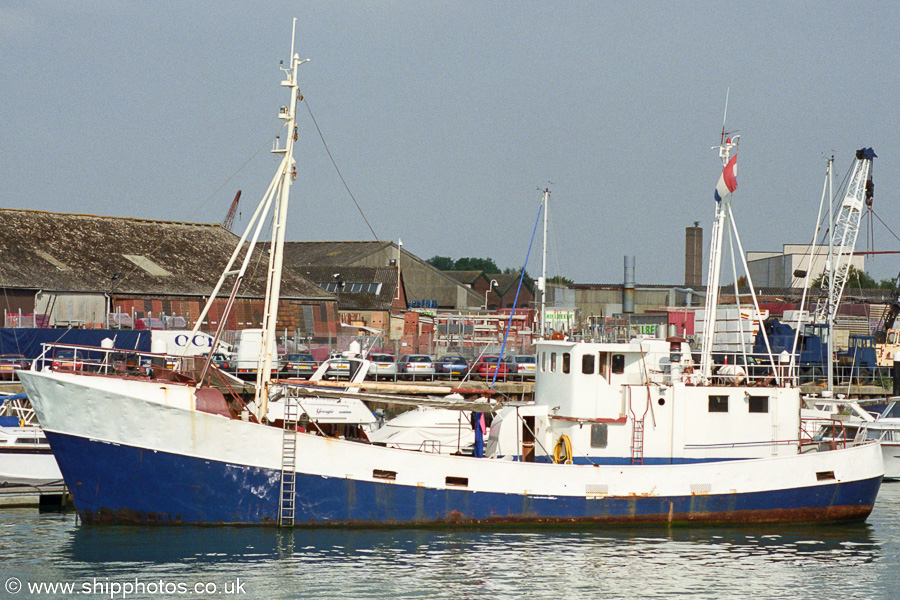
{"x":759,"y":404}
{"x":718,"y":404}
{"x":587,"y":364}
{"x":618,"y":363}
{"x":566,"y":362}
{"x":552,"y":361}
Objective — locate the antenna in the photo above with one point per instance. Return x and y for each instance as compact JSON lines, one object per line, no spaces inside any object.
{"x":293,"y":33}
{"x":724,"y":116}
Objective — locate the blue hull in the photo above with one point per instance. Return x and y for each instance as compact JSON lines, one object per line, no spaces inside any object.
{"x":124,"y":484}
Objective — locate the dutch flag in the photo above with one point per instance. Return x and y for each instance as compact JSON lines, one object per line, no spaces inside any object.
{"x":728,"y":180}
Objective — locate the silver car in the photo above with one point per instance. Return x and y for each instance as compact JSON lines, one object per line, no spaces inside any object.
{"x":383,"y":365}
{"x":416,"y":365}
{"x":338,"y":366}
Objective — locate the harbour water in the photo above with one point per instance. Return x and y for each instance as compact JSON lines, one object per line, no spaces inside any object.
{"x":845,"y":561}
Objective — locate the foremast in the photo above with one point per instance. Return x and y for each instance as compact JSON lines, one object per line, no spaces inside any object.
{"x":286,"y":174}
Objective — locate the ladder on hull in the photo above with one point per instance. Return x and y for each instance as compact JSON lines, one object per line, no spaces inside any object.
{"x":288,"y":464}
{"x":637,"y":442}
{"x":637,"y":432}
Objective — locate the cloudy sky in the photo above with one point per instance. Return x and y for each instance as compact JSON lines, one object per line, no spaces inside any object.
{"x":445,"y":119}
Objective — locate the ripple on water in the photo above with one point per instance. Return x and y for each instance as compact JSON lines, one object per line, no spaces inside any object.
{"x":854,"y":561}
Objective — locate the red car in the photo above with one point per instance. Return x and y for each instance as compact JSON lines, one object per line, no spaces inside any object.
{"x":68,"y":360}
{"x":487,"y":365}
{"x":10,"y":363}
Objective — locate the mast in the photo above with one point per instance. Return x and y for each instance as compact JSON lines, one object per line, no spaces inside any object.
{"x":544,"y":267}
{"x":829,"y":343}
{"x":276,"y":259}
{"x":723,"y":205}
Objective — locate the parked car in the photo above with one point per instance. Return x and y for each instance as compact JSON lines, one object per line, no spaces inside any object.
{"x":10,"y":363}
{"x":383,"y":365}
{"x":451,"y":365}
{"x":487,"y":365}
{"x":69,"y":360}
{"x":299,"y":365}
{"x":222,"y":361}
{"x":416,"y":365}
{"x":521,"y":365}
{"x":338,"y":366}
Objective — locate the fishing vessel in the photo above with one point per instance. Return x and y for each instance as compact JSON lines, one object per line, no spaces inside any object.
{"x":617,"y":434}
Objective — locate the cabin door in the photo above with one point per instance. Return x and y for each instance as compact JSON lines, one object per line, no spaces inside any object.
{"x":528,"y":439}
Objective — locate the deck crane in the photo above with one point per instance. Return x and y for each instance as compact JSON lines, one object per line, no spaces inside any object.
{"x":229,"y":218}
{"x":859,"y":196}
{"x":844,"y":231}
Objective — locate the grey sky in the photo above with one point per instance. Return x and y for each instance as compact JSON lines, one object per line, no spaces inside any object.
{"x":446,"y":117}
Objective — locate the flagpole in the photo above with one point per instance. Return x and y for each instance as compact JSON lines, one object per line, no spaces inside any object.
{"x":727,"y":184}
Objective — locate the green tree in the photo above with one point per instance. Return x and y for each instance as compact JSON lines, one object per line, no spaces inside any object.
{"x":476,"y":264}
{"x":444,"y":263}
{"x":856,"y":280}
{"x":560,"y":280}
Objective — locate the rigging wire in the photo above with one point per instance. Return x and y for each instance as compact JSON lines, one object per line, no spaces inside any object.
{"x":233,"y":175}
{"x":334,"y":163}
{"x":885,"y":225}
{"x":824,"y":225}
{"x":153,"y":251}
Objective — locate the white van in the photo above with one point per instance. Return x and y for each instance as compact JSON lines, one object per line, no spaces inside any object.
{"x":247,"y":344}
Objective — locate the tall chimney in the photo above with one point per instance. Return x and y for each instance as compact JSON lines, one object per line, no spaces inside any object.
{"x":693,"y":256}
{"x":628,"y":288}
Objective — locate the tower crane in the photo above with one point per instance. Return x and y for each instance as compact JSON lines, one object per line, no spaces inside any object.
{"x":229,"y":218}
{"x":859,"y":196}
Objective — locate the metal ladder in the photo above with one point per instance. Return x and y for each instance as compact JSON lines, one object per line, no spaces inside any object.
{"x":288,"y":463}
{"x":637,"y":442}
{"x":637,"y":434}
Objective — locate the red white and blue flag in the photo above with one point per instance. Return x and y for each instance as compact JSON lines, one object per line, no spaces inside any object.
{"x":728,"y":180}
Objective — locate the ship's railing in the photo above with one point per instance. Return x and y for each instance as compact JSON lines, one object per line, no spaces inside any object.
{"x":136,"y":363}
{"x":738,"y":368}
{"x":821,"y":433}
{"x":758,"y":368}
{"x":114,"y":361}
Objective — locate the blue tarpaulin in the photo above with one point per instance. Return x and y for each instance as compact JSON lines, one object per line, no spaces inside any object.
{"x":12,"y":397}
{"x":28,"y":342}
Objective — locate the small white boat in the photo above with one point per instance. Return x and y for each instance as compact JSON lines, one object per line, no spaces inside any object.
{"x":437,"y":430}
{"x":28,"y":468}
{"x":886,"y":430}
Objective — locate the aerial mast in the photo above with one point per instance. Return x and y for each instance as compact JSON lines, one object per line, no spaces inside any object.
{"x":726,"y":185}
{"x":544,"y":266}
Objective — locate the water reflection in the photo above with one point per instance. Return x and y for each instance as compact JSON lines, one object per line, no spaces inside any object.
{"x":860,"y":560}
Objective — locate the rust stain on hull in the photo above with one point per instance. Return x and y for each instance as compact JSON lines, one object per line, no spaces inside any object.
{"x":456,"y":519}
